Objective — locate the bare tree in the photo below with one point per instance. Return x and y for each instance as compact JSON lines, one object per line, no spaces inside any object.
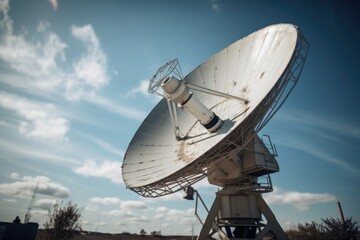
{"x":64,"y":222}
{"x":329,"y":229}
{"x":339,"y":230}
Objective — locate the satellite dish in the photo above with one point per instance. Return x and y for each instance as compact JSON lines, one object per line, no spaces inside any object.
{"x":206,"y":125}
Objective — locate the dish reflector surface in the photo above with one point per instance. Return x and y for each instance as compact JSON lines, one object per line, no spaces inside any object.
{"x":258,"y":68}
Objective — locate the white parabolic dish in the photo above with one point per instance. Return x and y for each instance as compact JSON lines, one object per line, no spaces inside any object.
{"x":254,"y":68}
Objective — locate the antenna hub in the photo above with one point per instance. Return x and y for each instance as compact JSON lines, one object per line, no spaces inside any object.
{"x":178,"y":91}
{"x":175,"y":90}
{"x":170,"y":84}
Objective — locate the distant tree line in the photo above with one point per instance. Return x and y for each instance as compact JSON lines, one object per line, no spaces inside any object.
{"x":153,"y":233}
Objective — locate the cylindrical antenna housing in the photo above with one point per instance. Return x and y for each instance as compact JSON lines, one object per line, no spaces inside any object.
{"x":177,"y":91}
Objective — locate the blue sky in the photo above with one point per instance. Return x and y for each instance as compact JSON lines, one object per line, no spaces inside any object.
{"x":73,"y":80}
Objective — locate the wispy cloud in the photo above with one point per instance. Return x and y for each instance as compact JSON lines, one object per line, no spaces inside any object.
{"x":308,"y":126}
{"x":330,"y":124}
{"x":105,"y":145}
{"x":302,"y":201}
{"x":215,"y":5}
{"x":322,"y":154}
{"x":34,"y":151}
{"x":142,"y":89}
{"x":115,"y":108}
{"x":105,"y":169}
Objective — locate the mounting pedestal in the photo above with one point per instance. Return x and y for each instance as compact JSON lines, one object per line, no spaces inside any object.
{"x":238,"y":208}
{"x":237,"y":215}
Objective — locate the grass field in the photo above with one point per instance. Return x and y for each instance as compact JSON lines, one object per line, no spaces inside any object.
{"x":109,"y":236}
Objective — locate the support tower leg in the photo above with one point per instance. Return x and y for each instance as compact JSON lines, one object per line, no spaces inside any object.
{"x":238,"y":216}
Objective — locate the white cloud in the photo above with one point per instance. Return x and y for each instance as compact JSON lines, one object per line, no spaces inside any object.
{"x":139,"y":219}
{"x":106,"y":200}
{"x":40,"y":120}
{"x":86,"y":223}
{"x":203,"y":187}
{"x":204,"y":183}
{"x":122,"y":224}
{"x":90,"y":72}
{"x":38,"y":64}
{"x":39,"y":58}
{"x":106,"y":169}
{"x":14,"y":175}
{"x":175,"y":215}
{"x":163,"y":216}
{"x":40,"y":212}
{"x":43,"y":27}
{"x":6,"y":22}
{"x":87,"y":35}
{"x":45,"y":203}
{"x":134,"y":205}
{"x":302,"y":201}
{"x":161,"y":209}
{"x":36,"y":59}
{"x":10,"y":200}
{"x":177,"y":196}
{"x":48,"y":187}
{"x":120,"y":212}
{"x":102,"y":224}
{"x":25,"y":187}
